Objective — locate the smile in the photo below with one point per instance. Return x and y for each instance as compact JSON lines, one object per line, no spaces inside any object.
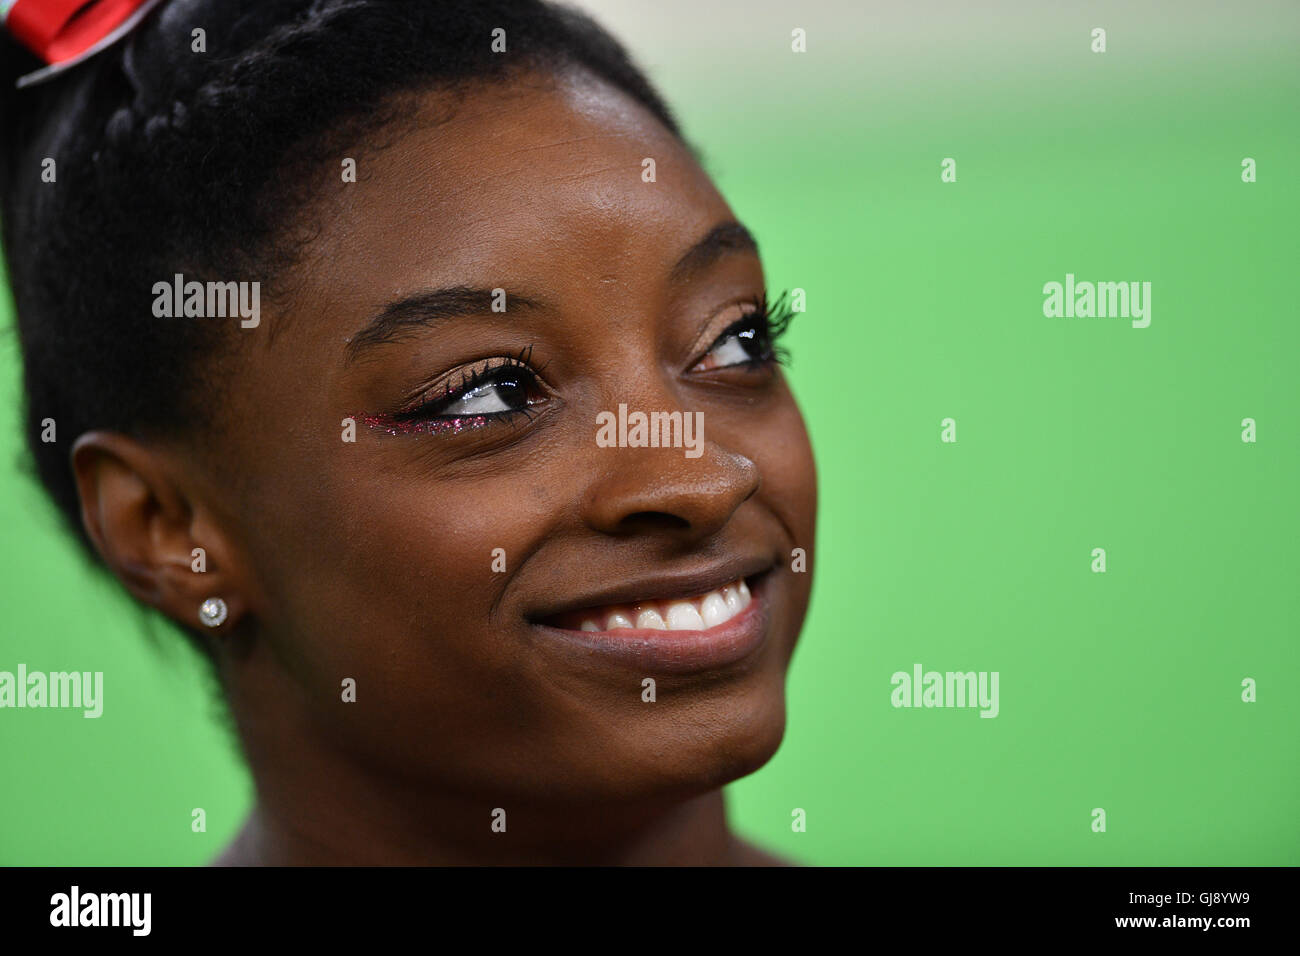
{"x":702,"y":630}
{"x":699,"y":613}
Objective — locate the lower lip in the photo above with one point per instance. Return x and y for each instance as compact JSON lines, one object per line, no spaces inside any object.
{"x":678,"y":652}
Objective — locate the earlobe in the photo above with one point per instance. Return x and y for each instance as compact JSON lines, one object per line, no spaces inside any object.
{"x":142,"y":517}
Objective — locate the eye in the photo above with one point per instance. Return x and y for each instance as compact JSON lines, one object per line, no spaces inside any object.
{"x":488,"y":392}
{"x":750,"y":341}
{"x":484,"y":394}
{"x":499,"y":391}
{"x":746,"y":341}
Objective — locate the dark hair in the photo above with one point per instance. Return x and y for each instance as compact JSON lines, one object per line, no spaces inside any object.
{"x":172,"y":161}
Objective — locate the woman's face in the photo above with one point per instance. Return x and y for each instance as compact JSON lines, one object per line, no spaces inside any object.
{"x":447,"y":559}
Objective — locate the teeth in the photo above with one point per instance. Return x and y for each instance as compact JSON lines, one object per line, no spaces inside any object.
{"x":732,"y":597}
{"x":649,"y":618}
{"x":714,"y":610}
{"x":693,"y":614}
{"x":682,"y":616}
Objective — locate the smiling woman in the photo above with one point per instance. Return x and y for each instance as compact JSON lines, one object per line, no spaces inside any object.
{"x":527,"y":624}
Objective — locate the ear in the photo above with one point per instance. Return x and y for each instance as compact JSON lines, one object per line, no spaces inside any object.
{"x":147,"y":518}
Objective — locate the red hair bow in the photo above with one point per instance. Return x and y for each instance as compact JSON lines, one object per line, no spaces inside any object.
{"x":65,"y":32}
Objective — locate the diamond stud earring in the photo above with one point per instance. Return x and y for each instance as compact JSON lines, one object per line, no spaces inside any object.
{"x":212,"y":612}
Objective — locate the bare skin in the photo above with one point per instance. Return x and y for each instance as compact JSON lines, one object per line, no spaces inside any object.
{"x":373,"y":560}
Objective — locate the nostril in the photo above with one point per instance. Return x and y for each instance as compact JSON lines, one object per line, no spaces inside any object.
{"x":653,"y":521}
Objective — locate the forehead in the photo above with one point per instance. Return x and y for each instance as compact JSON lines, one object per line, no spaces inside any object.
{"x":537,"y":181}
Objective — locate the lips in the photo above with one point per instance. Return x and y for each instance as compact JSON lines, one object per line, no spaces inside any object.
{"x":699,"y":612}
{"x":678,"y":623}
{"x":627,"y":593}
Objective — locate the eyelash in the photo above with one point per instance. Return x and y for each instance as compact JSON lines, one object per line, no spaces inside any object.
{"x":419,"y":418}
{"x":771,"y":318}
{"x":488,"y":374}
{"x":774,"y":318}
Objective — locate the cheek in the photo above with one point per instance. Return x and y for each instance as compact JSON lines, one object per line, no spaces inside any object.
{"x":398,"y":591}
{"x":789,"y":472}
{"x":440,"y":552}
{"x":789,"y":491}
{"x":399,"y":578}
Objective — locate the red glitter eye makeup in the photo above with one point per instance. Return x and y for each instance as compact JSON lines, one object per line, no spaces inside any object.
{"x":429,"y":426}
{"x":496,"y":390}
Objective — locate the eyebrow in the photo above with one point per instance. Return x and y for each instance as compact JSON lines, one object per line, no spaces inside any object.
{"x":721,"y":239}
{"x":427,"y":308}
{"x":430,"y":307}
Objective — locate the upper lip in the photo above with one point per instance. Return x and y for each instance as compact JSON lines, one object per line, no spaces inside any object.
{"x":687,"y":583}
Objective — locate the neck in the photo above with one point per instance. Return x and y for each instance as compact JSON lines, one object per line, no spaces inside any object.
{"x":690,"y":833}
{"x":318,"y":805}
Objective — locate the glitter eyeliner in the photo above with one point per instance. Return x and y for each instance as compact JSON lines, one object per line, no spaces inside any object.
{"x":425,"y":426}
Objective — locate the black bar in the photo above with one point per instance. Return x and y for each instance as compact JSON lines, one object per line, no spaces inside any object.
{"x":979,"y":904}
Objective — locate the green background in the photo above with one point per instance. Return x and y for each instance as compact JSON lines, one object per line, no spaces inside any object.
{"x":1119,"y":690}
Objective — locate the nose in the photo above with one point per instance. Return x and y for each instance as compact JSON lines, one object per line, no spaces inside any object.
{"x":662,"y":491}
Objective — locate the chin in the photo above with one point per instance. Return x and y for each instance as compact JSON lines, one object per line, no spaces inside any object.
{"x":719,"y":745}
{"x":755,"y":739}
